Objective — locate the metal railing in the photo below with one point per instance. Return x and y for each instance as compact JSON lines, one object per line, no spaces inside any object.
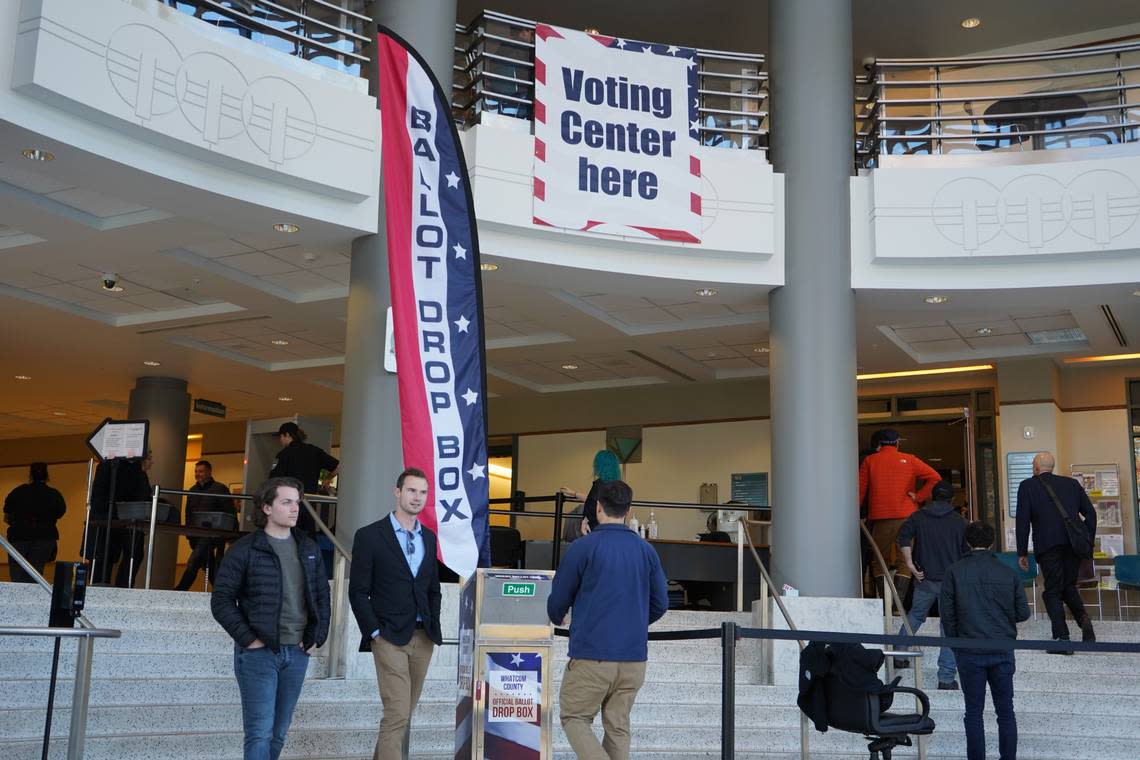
{"x":332,"y":33}
{"x":1073,"y":98}
{"x":84,"y":655}
{"x":341,"y":558}
{"x":494,"y":73}
{"x":892,"y":600}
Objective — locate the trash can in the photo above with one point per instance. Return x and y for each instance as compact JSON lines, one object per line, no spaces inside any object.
{"x":505,"y":650}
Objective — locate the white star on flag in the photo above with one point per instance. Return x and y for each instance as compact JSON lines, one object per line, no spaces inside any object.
{"x":476,"y":471}
{"x":691,"y":63}
{"x":672,"y":50}
{"x":516,"y":659}
{"x":460,"y":251}
{"x":694,"y":125}
{"x":452,"y":179}
{"x":462,"y":323}
{"x":470,"y":397}
{"x":621,"y":43}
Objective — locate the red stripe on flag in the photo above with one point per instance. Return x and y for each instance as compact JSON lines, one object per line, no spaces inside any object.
{"x":603,"y":40}
{"x":694,"y":166}
{"x":677,"y":236}
{"x":545,"y":32}
{"x":539,"y":190}
{"x":695,"y":203}
{"x":539,"y":149}
{"x":536,"y":220}
{"x":540,"y":111}
{"x":539,"y":71}
{"x":396,"y":154}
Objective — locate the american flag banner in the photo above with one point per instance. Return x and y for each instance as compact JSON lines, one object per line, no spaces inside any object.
{"x":512,"y":727}
{"x":433,"y":264}
{"x":616,"y":136}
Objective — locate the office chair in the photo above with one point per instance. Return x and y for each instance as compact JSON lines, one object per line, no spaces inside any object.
{"x":1127,"y":570}
{"x":1028,"y":578}
{"x":506,"y":547}
{"x":855,"y":700}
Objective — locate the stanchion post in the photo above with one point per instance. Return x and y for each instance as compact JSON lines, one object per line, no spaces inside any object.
{"x":556,"y":546}
{"x":87,"y":518}
{"x":728,"y":636}
{"x":150,"y":537}
{"x":80,"y":696}
{"x":740,"y":565}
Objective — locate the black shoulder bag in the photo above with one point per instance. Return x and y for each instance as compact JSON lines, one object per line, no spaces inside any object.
{"x":1079,"y":537}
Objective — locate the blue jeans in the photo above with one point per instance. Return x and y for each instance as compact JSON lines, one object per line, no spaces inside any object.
{"x":976,"y":670}
{"x":270,"y":683}
{"x":925,"y":595}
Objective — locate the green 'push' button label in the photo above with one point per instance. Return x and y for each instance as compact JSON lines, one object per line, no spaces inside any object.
{"x":518,"y":589}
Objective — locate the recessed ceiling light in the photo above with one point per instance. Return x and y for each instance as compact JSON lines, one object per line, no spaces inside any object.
{"x":150,"y":363}
{"x":287,"y":227}
{"x":936,"y":300}
{"x":279,"y":342}
{"x":761,"y":349}
{"x":705,"y":292}
{"x":569,"y":366}
{"x":284,"y":398}
{"x":984,"y":331}
{"x":60,"y":414}
{"x":1136,"y":292}
{"x":973,"y":22}
{"x":488,"y":267}
{"x":23,"y":378}
{"x":36,"y":154}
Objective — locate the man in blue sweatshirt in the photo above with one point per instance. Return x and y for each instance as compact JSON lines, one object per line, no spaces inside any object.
{"x":615,"y":584}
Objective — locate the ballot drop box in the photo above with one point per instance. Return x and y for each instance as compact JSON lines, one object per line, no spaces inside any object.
{"x":505,"y":650}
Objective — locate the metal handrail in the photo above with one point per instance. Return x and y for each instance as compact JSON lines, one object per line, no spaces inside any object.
{"x":59,"y":633}
{"x":27,"y":567}
{"x":892,"y":597}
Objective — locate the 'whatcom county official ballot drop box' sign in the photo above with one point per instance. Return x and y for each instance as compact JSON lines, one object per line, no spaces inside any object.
{"x":616,"y":136}
{"x":505,"y":641}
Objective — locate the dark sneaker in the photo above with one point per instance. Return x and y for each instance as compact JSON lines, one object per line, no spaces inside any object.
{"x":1059,"y":651}
{"x":1087,"y":633}
{"x":902,"y":663}
{"x":952,"y":686}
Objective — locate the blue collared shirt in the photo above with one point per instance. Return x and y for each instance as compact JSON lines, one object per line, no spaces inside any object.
{"x":415,"y":557}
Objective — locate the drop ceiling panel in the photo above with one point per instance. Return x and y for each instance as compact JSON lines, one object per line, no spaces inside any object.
{"x":338,"y":274}
{"x":300,"y":281}
{"x":306,"y":258}
{"x":998,"y":341}
{"x":699,"y":310}
{"x":996,"y":327}
{"x":65,"y":291}
{"x":257,"y":263}
{"x":616,"y":301}
{"x":645,"y":316}
{"x":96,"y":203}
{"x":732,"y":363}
{"x":218,"y":248}
{"x":29,"y":180}
{"x":927,"y":333}
{"x":937,"y":346}
{"x":1053,"y":322}
{"x":158,"y":301}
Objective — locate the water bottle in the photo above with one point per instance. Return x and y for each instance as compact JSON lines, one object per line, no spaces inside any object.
{"x":633,"y":524}
{"x":651,"y":527}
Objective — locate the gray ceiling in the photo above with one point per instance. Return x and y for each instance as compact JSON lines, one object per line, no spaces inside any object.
{"x":883,"y":28}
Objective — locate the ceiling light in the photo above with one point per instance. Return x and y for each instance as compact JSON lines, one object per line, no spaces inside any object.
{"x":971,"y":23}
{"x":984,"y":331}
{"x":937,"y":300}
{"x":60,"y":414}
{"x":924,"y":372}
{"x":569,"y":366}
{"x":279,"y":342}
{"x":287,"y":227}
{"x":1103,"y":358}
{"x":487,"y":267}
{"x":284,"y":398}
{"x":761,"y":350}
{"x":194,"y":437}
{"x":498,"y":470}
{"x":150,"y":363}
{"x":705,"y":292}
{"x":23,"y":378}
{"x":36,"y":154}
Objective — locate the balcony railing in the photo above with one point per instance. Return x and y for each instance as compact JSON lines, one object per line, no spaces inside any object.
{"x":333,"y":33}
{"x":1000,"y":104}
{"x":494,"y":73}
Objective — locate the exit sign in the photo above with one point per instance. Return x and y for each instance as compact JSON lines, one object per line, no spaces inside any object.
{"x":518,"y":589}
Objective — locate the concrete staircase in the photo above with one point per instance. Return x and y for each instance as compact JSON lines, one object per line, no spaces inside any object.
{"x":165,"y":691}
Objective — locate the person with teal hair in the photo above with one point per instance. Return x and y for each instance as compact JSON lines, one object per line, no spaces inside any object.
{"x":606,"y":467}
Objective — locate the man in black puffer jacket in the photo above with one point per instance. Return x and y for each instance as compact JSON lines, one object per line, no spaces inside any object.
{"x":272,"y":597}
{"x":984,"y":599}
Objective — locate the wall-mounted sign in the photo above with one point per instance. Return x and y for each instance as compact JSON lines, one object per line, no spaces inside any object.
{"x":1018,"y":467}
{"x":616,"y":136}
{"x":750,"y":488}
{"x":212,"y":408}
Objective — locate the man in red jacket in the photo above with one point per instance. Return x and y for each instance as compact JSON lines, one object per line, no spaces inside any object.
{"x":887,"y":480}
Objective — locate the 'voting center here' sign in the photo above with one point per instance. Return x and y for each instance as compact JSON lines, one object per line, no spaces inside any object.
{"x":616,"y":136}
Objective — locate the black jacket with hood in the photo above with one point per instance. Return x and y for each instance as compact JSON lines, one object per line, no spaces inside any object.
{"x":939,"y":533}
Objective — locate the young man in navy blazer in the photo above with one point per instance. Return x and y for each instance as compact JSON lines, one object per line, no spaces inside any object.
{"x":394,"y":591}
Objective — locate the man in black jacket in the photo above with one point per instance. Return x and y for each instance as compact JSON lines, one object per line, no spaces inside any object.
{"x":272,"y":597}
{"x":1037,"y":509}
{"x":984,"y":599}
{"x":394,"y":591}
{"x":206,"y":552}
{"x":31,"y":511}
{"x":939,"y":535}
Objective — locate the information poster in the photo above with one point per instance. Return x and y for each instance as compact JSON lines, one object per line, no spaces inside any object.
{"x":1018,"y":467}
{"x":512,"y":717}
{"x":1107,"y":514}
{"x":1102,"y":484}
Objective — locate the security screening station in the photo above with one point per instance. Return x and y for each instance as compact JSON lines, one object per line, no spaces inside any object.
{"x":505,"y":650}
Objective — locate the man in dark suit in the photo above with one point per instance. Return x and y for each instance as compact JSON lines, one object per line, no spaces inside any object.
{"x":394,"y":591}
{"x":1037,"y":509}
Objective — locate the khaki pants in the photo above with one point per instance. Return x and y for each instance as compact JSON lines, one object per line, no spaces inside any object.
{"x":592,"y":684}
{"x":400,"y":672}
{"x":885,"y":532}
